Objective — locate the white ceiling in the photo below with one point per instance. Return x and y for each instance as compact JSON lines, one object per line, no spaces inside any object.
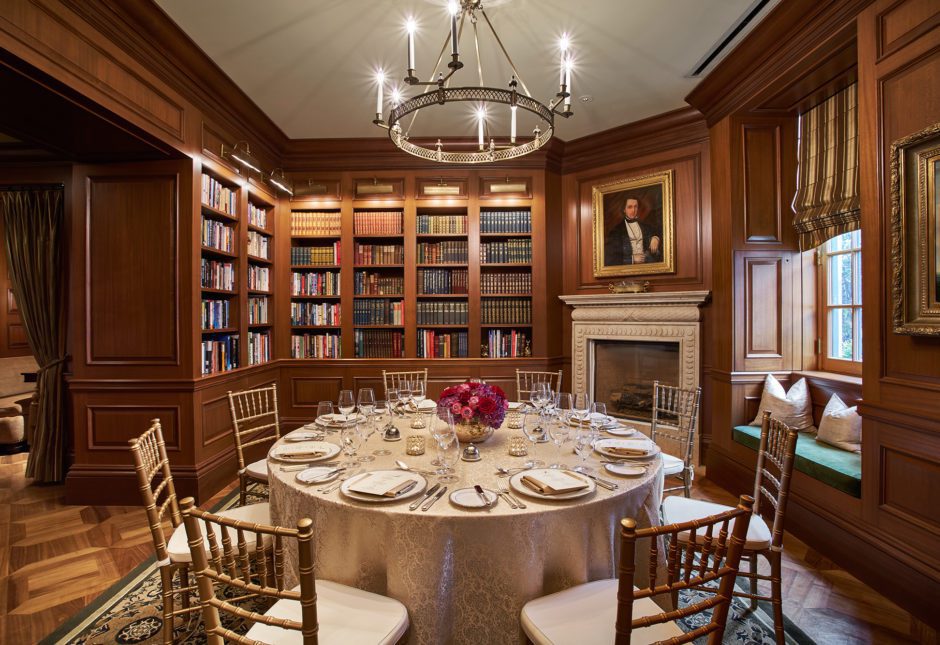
{"x":310,"y":64}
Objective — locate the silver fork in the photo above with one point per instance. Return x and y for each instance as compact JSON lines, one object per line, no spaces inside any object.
{"x":509,"y":496}
{"x":339,"y":482}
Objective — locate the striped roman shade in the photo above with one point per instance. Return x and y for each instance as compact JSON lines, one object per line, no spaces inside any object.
{"x":826,"y":202}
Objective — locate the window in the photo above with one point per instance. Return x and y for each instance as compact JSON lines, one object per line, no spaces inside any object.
{"x":840,"y":296}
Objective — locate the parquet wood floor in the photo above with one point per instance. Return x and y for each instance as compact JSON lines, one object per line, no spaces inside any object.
{"x":55,"y":559}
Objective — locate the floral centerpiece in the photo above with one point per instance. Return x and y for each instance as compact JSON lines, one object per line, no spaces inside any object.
{"x":478,"y":409}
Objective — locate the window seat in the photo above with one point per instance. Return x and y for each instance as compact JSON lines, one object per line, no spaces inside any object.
{"x":837,"y":468}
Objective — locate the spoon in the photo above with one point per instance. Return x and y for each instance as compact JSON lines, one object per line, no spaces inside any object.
{"x":506,"y":472}
{"x":403,"y":466}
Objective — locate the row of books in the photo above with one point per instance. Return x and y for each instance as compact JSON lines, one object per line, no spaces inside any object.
{"x":316,"y":346}
{"x":259,"y":278}
{"x":442,"y":281}
{"x":378,"y":311}
{"x":217,"y":275}
{"x":215,"y":314}
{"x":219,"y":354}
{"x":378,"y":343}
{"x":259,"y":245}
{"x":441,"y":224}
{"x":314,"y":313}
{"x":436,"y":344}
{"x":217,"y":235}
{"x":506,"y":251}
{"x":259,"y":347}
{"x":378,"y":254}
{"x":378,"y":284}
{"x":325,"y":223}
{"x":257,"y":216}
{"x":504,"y":343}
{"x":446,"y":252}
{"x":505,"y":222}
{"x":258,"y":310}
{"x":315,"y":284}
{"x":377,"y":223}
{"x":301,"y":255}
{"x":442,"y":313}
{"x":505,"y":282}
{"x":500,"y":311}
{"x":219,"y":196}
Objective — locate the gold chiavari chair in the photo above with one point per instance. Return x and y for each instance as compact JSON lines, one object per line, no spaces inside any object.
{"x":173,"y":556}
{"x":596,"y":611}
{"x":315,"y":611}
{"x":391,"y":380}
{"x":525,"y":380}
{"x":771,"y":484}
{"x":254,"y":415}
{"x":675,"y":418}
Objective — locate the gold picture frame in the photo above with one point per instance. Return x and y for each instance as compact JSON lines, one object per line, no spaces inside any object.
{"x":915,"y":232}
{"x":633,"y":226}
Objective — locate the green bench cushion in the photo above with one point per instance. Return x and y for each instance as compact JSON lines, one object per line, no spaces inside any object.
{"x":837,"y":468}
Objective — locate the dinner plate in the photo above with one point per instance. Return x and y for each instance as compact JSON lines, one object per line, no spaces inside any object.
{"x":603,"y":445}
{"x":428,"y":405}
{"x":620,"y":431}
{"x":468,"y":498}
{"x":516,"y":405}
{"x":626,"y":470}
{"x":303,"y":435}
{"x":378,"y":499}
{"x":515,"y":482}
{"x":316,"y":474}
{"x":283,"y":453}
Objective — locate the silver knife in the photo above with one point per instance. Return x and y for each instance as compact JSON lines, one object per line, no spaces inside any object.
{"x":483,"y":497}
{"x":414,"y":482}
{"x":602,"y":482}
{"x":514,"y":498}
{"x":428,"y":504}
{"x":415,"y":504}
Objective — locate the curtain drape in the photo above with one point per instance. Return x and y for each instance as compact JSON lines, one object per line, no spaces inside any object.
{"x":827,"y":201}
{"x":34,"y":222}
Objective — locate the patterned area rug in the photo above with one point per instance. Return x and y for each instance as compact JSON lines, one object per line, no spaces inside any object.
{"x":130,"y":612}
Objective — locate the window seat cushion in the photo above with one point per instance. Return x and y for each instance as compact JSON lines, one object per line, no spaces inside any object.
{"x":838,"y":468}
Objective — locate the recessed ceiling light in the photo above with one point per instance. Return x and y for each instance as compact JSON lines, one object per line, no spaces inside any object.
{"x":587,"y":98}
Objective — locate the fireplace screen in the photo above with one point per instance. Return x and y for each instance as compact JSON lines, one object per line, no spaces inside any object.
{"x":624,"y":371}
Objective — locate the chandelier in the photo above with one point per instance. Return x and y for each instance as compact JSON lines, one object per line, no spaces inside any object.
{"x":487,"y":100}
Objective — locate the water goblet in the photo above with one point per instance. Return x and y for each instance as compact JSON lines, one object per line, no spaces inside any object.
{"x":325,"y":409}
{"x":598,"y":417}
{"x":558,"y":431}
{"x":534,"y":431}
{"x":350,"y":440}
{"x":365,"y":431}
{"x":346,"y":403}
{"x":391,"y":395}
{"x":440,"y":426}
{"x":404,"y":395}
{"x":448,"y":451}
{"x":418,"y":396}
{"x":581,"y":405}
{"x":583,"y":445}
{"x":366,"y":402}
{"x":383,"y":417}
{"x":563,"y":407}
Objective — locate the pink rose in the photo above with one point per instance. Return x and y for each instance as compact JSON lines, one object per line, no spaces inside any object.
{"x":466,"y":413}
{"x":455,"y":407}
{"x":506,"y":405}
{"x":464,"y":387}
{"x":473,"y":402}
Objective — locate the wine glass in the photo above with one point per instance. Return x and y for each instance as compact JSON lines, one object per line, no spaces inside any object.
{"x":366,"y":402}
{"x":325,"y":411}
{"x":448,"y":452}
{"x":558,"y":431}
{"x":581,"y":405}
{"x":346,"y":404}
{"x":534,"y":432}
{"x":563,"y":406}
{"x":383,"y":417}
{"x":418,"y":396}
{"x":350,"y":440}
{"x":441,"y":425}
{"x":583,"y":445}
{"x":598,"y":417}
{"x":391,"y":394}
{"x":404,"y":395}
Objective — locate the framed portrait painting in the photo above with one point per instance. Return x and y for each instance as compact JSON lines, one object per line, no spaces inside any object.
{"x":915,"y":232}
{"x":633,"y":224}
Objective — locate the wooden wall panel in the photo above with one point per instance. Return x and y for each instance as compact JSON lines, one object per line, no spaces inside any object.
{"x":132,"y":277}
{"x":761,"y":152}
{"x":12,"y":334}
{"x":110,"y":427}
{"x":307,"y":391}
{"x":763,"y":295}
{"x":902,"y":22}
{"x":907,"y":479}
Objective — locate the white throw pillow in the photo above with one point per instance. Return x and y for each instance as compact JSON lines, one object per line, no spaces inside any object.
{"x":841,"y":426}
{"x":793,"y":408}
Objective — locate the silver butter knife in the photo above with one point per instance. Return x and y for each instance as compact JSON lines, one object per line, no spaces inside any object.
{"x":609,"y":485}
{"x":483,"y":497}
{"x":428,"y":504}
{"x":415,"y":504}
{"x":407,"y":488}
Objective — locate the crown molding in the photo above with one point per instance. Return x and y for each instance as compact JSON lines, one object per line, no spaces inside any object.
{"x":786,"y":45}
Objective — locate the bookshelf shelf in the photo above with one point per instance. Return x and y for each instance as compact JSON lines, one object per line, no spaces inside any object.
{"x":443,"y":326}
{"x":316,"y":237}
{"x":334,"y":267}
{"x":379,"y":236}
{"x":445,"y":236}
{"x":442,"y":295}
{"x":379,"y":295}
{"x":505,"y":295}
{"x":223,"y":330}
{"x":258,"y":229}
{"x":259,"y":260}
{"x":378,"y":266}
{"x":267,"y":324}
{"x":218,"y":252}
{"x":259,"y":292}
{"x":219,"y":292}
{"x":484,"y":265}
{"x":443,"y":265}
{"x":505,"y":325}
{"x":325,"y":327}
{"x":379,"y":326}
{"x":215,"y":213}
{"x":298,"y":296}
{"x":498,"y":235}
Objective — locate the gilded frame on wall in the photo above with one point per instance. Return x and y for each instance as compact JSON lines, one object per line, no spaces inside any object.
{"x":633,"y":226}
{"x":915,"y":232}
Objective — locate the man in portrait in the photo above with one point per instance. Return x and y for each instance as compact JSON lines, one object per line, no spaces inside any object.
{"x":633,"y":240}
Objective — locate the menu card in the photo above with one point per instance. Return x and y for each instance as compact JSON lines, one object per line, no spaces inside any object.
{"x":386,"y":483}
{"x":554,"y":482}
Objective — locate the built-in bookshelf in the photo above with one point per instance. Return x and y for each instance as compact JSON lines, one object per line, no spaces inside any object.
{"x":505,"y":282}
{"x":218,"y":279}
{"x":315,"y":283}
{"x":378,"y":306}
{"x":259,"y":260}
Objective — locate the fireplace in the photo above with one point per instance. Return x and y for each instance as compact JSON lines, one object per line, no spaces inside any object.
{"x":624,"y":371}
{"x":621,"y":343}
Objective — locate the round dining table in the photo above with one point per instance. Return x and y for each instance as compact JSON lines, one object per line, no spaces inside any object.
{"x":464,"y":574}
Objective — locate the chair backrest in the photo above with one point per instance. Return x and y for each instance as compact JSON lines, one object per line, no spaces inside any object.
{"x":777,"y":448}
{"x":525,"y":380}
{"x":711,"y":558}
{"x":254,"y":414}
{"x":243,"y":566}
{"x":392,"y":380}
{"x":675,"y":416}
{"x":150,"y":462}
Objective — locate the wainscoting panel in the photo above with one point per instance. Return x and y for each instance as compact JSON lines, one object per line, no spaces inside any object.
{"x":763,"y":215}
{"x":110,"y":427}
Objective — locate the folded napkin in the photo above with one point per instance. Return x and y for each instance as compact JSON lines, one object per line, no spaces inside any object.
{"x":553,"y":483}
{"x":384,"y":484}
{"x":622,"y":451}
{"x":303,"y":454}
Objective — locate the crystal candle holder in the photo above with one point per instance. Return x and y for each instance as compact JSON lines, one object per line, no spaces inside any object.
{"x":414,"y":444}
{"x":517,"y":447}
{"x":514,"y":421}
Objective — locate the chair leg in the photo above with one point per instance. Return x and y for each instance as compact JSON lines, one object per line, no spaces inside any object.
{"x":242,"y":492}
{"x":166,"y":577}
{"x":752,"y":560}
{"x":184,"y":582}
{"x":776,"y":596}
{"x":687,"y":477}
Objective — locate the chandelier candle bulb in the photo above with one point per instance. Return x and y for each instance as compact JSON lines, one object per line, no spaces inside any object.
{"x":411,"y":26}
{"x":480,"y":128}
{"x":563,"y":61}
{"x":512,"y":127}
{"x":454,"y":8}
{"x":378,"y":97}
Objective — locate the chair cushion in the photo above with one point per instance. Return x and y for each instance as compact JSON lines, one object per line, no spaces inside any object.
{"x":258,"y":469}
{"x":672,"y":465}
{"x":680,"y":509}
{"x":178,"y":546}
{"x":837,"y":468}
{"x":347,"y":616}
{"x":587,"y":614}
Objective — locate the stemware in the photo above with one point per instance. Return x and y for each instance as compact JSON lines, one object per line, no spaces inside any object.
{"x":366,"y":402}
{"x":581,"y":405}
{"x":448,"y":454}
{"x":583,"y":446}
{"x":383,"y":417}
{"x":391,"y":395}
{"x":534,"y":431}
{"x":418,"y":396}
{"x":351,"y":440}
{"x":440,"y":426}
{"x":325,"y":408}
{"x":598,"y":417}
{"x":346,"y":403}
{"x":404,"y":395}
{"x":558,"y":430}
{"x":564,"y":407}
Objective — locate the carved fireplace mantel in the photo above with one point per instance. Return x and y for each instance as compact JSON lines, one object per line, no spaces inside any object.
{"x":651,"y":317}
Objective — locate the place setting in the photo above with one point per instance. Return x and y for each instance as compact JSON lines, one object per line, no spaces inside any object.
{"x":552,"y":484}
{"x":384,"y":486}
{"x":304,"y":451}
